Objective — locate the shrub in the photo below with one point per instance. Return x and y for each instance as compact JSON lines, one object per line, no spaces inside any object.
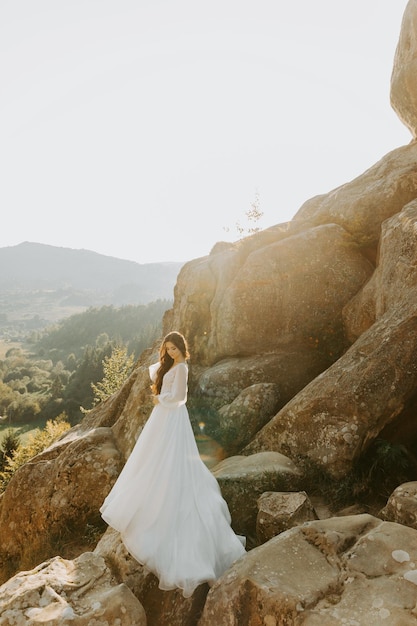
{"x":36,"y":443}
{"x":9,"y":444}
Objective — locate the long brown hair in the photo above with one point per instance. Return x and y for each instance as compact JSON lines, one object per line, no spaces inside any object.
{"x":166,"y":361}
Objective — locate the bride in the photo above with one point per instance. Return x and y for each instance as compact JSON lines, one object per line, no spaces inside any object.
{"x":166,"y":503}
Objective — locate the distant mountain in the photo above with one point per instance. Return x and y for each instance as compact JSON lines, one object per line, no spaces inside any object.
{"x":34,"y":266}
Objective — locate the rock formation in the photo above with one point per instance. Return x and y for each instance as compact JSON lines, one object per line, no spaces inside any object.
{"x":286,"y":295}
{"x":55,"y":496}
{"x":346,"y":570}
{"x":243,"y":479}
{"x":334,"y":418}
{"x":304,"y":352}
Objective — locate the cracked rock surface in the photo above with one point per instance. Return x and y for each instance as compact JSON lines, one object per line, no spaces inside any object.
{"x":355,"y":570}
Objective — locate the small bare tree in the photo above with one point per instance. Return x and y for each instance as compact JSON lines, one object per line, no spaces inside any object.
{"x":252,"y":215}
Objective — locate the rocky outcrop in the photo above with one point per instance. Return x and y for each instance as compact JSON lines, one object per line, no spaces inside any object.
{"x":348,"y":570}
{"x":296,"y":285}
{"x":55,"y":496}
{"x":334,"y":418}
{"x":355,"y":569}
{"x":61,"y":593}
{"x":404,"y":73}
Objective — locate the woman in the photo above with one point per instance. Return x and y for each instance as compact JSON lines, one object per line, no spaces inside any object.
{"x":166,"y":503}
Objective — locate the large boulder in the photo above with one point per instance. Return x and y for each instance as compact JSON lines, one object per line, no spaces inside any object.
{"x":333,"y":419}
{"x":404,"y":73}
{"x":253,"y":407}
{"x":279,"y":511}
{"x":243,"y":479}
{"x":62,"y":593}
{"x":297,"y":285}
{"x":201,"y":285}
{"x":56,"y":495}
{"x":361,"y":205}
{"x":349,"y":570}
{"x":290,"y":370}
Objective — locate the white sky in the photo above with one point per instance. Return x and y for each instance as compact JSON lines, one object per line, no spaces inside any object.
{"x":141,"y":129}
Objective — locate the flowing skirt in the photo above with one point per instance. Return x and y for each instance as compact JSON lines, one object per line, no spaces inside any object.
{"x":168,"y":507}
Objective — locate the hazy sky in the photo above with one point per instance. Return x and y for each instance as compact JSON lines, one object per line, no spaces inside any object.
{"x":142,"y":129}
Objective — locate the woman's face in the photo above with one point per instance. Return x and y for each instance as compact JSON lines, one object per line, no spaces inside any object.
{"x":173,"y":351}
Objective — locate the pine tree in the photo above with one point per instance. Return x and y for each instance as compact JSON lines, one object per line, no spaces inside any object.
{"x":9,"y":444}
{"x":116,"y":368}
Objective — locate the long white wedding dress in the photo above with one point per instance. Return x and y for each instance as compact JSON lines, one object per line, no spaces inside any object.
{"x":166,"y":503}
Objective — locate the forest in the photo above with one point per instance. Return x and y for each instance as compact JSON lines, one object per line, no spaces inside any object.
{"x":53,"y":371}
